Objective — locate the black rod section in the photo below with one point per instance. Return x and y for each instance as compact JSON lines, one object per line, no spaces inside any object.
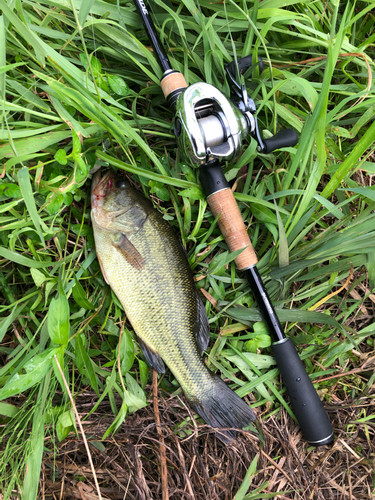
{"x":308,"y":409}
{"x":151,"y":32}
{"x":264,"y":303}
{"x":306,"y":404}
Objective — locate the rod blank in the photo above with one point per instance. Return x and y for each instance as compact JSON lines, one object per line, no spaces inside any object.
{"x":151,"y":32}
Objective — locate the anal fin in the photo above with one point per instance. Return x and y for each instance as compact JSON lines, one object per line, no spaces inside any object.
{"x":152,"y":357}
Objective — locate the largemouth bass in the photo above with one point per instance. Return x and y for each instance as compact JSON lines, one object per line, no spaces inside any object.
{"x":145,"y":265}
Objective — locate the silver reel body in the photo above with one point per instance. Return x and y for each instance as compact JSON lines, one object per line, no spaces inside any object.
{"x":208,"y":125}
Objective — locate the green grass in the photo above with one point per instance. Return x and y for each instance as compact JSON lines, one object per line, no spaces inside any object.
{"x":79,"y":88}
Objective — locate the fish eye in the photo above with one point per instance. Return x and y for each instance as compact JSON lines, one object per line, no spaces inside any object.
{"x":120,"y":184}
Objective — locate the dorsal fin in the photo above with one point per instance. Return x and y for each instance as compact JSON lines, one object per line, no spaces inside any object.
{"x":201,"y":327}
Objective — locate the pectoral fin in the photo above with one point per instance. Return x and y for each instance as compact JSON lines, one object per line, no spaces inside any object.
{"x":128,"y":250}
{"x":152,"y":357}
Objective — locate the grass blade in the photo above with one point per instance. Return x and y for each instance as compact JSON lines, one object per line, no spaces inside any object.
{"x":350,"y":161}
{"x":84,"y":10}
{"x":2,"y":58}
{"x":28,"y":197}
{"x":247,"y":479}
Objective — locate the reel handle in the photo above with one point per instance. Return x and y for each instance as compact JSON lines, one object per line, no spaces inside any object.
{"x":283,"y":139}
{"x":243,"y":65}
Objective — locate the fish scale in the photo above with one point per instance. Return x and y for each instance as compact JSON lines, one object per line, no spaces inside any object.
{"x":146,"y":267}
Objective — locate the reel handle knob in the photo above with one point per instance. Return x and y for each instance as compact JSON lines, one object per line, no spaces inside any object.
{"x":283,"y":139}
{"x":243,"y":65}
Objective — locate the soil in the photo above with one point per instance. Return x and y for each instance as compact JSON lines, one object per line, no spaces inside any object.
{"x":200,"y":466}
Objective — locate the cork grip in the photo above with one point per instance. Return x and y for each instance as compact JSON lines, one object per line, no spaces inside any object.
{"x":232,"y":227}
{"x":172,"y":82}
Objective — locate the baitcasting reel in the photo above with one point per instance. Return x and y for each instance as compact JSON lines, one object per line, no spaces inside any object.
{"x":210,"y":126}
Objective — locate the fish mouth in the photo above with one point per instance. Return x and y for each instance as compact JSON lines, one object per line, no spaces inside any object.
{"x":101,"y":186}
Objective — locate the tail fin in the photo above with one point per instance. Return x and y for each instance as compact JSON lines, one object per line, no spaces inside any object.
{"x":222,"y":407}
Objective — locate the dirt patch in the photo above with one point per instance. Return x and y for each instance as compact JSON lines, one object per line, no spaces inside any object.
{"x":201,"y":467}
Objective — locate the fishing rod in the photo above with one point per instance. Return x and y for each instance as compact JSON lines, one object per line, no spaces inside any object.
{"x":210,"y":129}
